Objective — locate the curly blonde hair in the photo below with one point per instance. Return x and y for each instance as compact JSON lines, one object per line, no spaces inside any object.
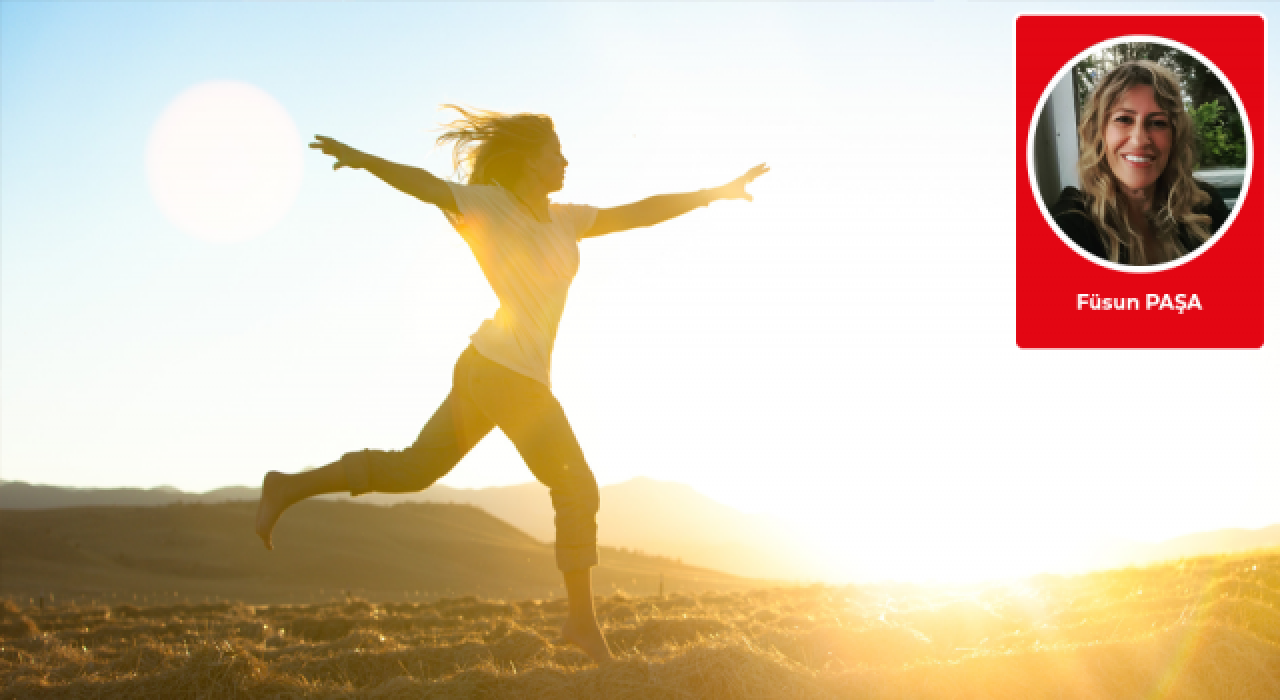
{"x":492,"y":148}
{"x":1176,"y":194}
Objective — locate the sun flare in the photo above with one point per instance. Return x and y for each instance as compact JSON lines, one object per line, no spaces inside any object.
{"x":224,"y":161}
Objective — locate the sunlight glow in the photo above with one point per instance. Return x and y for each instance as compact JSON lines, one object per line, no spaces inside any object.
{"x":224,"y":161}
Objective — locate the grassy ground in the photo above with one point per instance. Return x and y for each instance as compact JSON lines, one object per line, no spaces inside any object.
{"x":1200,"y":628}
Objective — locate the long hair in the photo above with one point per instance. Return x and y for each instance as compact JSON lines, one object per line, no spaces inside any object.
{"x":1176,"y":193}
{"x":492,"y":148}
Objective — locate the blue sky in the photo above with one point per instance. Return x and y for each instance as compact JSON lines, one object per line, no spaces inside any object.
{"x":839,"y":353}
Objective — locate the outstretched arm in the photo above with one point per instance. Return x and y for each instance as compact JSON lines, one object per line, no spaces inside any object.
{"x":655,"y":210}
{"x":414,"y":182}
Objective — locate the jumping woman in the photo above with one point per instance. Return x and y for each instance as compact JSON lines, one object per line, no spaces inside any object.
{"x":527,"y":247}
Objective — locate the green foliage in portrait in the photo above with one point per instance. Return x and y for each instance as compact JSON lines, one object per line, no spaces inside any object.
{"x":1219,"y":136}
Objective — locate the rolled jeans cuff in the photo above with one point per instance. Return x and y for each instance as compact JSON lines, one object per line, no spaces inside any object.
{"x":356,"y":465}
{"x":575,"y":558}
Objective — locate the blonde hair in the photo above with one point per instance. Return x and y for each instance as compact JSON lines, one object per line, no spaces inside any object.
{"x":492,"y":148}
{"x":1176,"y":193}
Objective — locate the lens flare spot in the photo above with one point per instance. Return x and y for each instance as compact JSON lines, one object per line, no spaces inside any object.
{"x":224,"y":161}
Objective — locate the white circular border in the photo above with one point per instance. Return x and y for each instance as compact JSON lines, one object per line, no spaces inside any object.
{"x":1248,"y":165}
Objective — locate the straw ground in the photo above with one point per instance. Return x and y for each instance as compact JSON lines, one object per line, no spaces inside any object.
{"x":1199,"y":628}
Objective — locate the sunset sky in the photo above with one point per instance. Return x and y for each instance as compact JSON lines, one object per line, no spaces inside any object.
{"x":839,"y":353}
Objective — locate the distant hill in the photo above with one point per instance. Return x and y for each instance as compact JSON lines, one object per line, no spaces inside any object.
{"x":18,"y":495}
{"x":1194,"y":545}
{"x":403,"y":552}
{"x":656,"y":517}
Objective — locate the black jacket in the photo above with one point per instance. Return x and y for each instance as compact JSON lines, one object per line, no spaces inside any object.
{"x":1073,"y":218}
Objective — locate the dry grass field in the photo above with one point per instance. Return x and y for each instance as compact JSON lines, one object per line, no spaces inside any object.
{"x":1198,"y":628}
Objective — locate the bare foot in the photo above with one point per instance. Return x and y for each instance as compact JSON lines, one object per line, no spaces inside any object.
{"x":587,"y":637}
{"x":271,"y":504}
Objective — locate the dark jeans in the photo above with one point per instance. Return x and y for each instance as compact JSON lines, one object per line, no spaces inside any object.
{"x":486,"y":394}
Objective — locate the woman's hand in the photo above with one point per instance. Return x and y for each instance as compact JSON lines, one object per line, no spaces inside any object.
{"x":414,"y":182}
{"x":347,"y":157}
{"x":738,"y":188}
{"x":653,"y":210}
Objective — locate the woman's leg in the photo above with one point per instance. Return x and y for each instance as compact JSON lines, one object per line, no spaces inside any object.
{"x":455,"y":428}
{"x":534,"y":421}
{"x":582,"y":628}
{"x":280,"y":490}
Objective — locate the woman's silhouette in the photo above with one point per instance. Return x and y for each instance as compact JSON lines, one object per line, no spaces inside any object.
{"x":527,"y":247}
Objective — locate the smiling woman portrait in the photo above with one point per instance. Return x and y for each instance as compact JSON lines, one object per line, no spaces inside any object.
{"x":1138,"y":203}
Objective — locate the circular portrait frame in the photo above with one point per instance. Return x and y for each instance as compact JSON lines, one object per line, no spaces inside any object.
{"x":1063,"y":72}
